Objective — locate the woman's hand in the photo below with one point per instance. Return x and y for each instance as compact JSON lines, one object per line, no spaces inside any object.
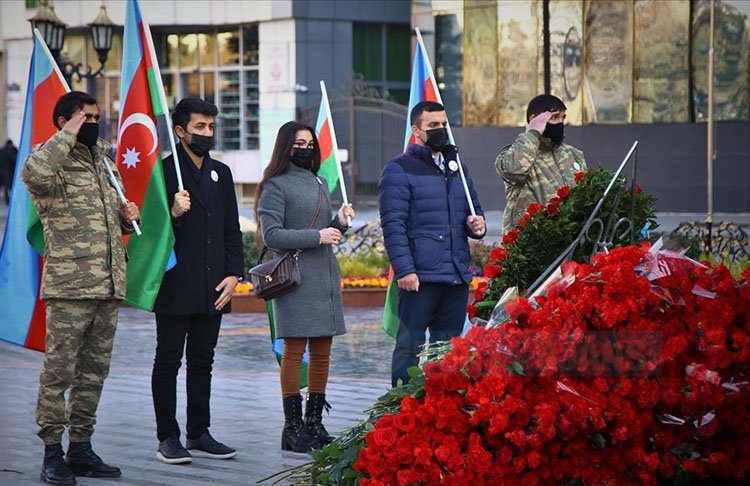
{"x":346,"y":211}
{"x":330,"y":236}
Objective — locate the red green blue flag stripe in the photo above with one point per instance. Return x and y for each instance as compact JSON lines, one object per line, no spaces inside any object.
{"x":139,"y":161}
{"x":22,"y":319}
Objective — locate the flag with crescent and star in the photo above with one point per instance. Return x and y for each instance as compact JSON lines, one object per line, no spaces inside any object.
{"x":22,"y":319}
{"x":139,"y":161}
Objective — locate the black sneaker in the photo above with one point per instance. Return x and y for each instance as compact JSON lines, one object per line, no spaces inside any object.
{"x":207,"y":446}
{"x":172,"y":452}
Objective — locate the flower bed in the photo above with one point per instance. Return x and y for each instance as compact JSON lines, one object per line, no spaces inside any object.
{"x":356,"y":292}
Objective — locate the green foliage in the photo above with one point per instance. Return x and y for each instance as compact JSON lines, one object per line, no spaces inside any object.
{"x":735,"y":268}
{"x":250,"y":250}
{"x":363,"y":263}
{"x":543,"y":237}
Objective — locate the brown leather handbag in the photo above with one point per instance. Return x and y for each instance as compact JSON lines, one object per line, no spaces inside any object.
{"x":280,"y":275}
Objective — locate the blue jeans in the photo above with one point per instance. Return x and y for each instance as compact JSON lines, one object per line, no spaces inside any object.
{"x":441,"y":308}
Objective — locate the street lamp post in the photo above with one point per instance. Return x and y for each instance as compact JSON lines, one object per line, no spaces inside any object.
{"x":53,"y":32}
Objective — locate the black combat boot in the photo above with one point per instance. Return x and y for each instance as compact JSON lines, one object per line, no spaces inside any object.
{"x":54,"y":469}
{"x":316,"y":402}
{"x":83,"y":461}
{"x":294,"y":436}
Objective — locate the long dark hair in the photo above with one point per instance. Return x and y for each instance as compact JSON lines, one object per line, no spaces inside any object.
{"x":280,"y":160}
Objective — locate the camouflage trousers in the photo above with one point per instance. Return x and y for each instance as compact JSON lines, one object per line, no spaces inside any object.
{"x":78,"y":349}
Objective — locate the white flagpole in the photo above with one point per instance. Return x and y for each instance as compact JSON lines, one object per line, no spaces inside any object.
{"x":335,"y":147}
{"x":163,"y":101}
{"x":112,"y":178}
{"x":421,"y":46}
{"x":51,"y":59}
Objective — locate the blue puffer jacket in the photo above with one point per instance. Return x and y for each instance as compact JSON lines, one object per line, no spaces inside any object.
{"x":423,"y":214}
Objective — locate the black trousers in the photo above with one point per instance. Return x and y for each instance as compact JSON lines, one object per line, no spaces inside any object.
{"x":441,"y":308}
{"x":201,"y":332}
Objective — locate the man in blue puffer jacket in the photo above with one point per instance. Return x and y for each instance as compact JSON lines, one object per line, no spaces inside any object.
{"x":426,"y":221}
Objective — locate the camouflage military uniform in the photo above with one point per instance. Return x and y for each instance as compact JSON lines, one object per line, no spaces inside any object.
{"x":83,"y":280}
{"x":533,"y":170}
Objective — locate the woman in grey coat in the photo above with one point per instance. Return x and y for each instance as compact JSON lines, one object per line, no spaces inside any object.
{"x":294,"y":212}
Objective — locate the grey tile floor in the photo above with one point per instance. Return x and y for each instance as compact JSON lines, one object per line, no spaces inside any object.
{"x":246,"y":402}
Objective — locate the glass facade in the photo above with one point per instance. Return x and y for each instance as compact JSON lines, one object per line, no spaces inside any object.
{"x":381,"y":59}
{"x":219,"y":66}
{"x":610,"y":61}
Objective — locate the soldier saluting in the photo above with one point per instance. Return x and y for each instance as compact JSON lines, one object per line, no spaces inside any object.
{"x":82,"y":285}
{"x":537,"y":163}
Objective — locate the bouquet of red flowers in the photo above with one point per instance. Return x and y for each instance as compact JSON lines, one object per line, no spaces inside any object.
{"x":546,"y":230}
{"x":632,"y":370}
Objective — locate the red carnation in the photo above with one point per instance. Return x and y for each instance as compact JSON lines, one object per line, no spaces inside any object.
{"x":510,"y":237}
{"x":499,"y":254}
{"x":579,"y":175}
{"x":491,"y":270}
{"x":533,"y":208}
{"x":563,"y":192}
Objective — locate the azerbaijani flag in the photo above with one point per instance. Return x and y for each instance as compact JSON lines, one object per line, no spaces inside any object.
{"x":139,"y":161}
{"x":22,"y":320}
{"x":330,"y":164}
{"x":423,"y":88}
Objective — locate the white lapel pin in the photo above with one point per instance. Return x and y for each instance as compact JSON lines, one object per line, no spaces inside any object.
{"x":214,"y":176}
{"x":453,"y":165}
{"x":576,"y":166}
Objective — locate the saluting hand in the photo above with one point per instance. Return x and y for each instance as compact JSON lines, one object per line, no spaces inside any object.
{"x":539,"y":122}
{"x":226,"y":287}
{"x":181,"y":204}
{"x":75,"y":123}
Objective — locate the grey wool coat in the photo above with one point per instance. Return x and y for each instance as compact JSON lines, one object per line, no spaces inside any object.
{"x":286,"y":208}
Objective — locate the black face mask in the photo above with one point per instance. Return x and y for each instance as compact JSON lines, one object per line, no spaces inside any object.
{"x":554,"y":132}
{"x":302,"y":157}
{"x":200,"y":144}
{"x":88,"y":134}
{"x":437,"y":138}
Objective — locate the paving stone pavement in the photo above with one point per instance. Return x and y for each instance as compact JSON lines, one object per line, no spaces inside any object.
{"x":246,"y":402}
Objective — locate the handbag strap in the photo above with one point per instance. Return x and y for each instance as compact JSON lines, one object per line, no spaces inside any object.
{"x":312,"y":223}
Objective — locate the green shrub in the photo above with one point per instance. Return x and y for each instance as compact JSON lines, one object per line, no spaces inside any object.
{"x":250,"y":251}
{"x":363,"y":263}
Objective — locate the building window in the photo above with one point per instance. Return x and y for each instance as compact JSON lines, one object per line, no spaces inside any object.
{"x":382,"y":57}
{"x":220,"y":67}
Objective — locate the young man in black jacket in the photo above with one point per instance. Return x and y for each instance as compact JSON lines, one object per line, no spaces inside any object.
{"x":197,"y":290}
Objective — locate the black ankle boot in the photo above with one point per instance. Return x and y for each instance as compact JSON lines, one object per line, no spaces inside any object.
{"x":316,"y":402}
{"x":295,"y":437}
{"x":83,"y":461}
{"x":54,"y":469}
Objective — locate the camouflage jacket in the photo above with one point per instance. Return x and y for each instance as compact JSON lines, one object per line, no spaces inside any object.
{"x":533,"y":170}
{"x":84,"y":255}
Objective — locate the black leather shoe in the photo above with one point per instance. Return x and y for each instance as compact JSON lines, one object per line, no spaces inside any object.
{"x":83,"y":461}
{"x":54,"y":469}
{"x":172,"y":452}
{"x":207,"y":446}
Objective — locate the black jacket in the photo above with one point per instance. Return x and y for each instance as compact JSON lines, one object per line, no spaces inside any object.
{"x":208,"y":242}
